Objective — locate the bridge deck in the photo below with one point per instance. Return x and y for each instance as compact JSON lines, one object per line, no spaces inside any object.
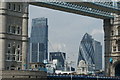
{"x":102,"y":10}
{"x":99,"y":6}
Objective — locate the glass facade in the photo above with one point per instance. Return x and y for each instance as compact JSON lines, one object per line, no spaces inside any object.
{"x":91,"y":52}
{"x":60,"y":56}
{"x":39,"y":40}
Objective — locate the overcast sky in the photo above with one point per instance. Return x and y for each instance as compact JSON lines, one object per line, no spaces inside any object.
{"x":67,"y":29}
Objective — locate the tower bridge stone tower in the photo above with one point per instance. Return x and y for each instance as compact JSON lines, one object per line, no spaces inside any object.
{"x":112,"y":46}
{"x":13,"y":35}
{"x":13,"y":43}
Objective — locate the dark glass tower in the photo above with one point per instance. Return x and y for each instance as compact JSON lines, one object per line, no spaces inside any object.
{"x":60,"y":56}
{"x":39,"y":40}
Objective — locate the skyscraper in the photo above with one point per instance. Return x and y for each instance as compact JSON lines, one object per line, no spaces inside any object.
{"x":98,"y":55}
{"x":90,"y":51}
{"x":39,"y":40}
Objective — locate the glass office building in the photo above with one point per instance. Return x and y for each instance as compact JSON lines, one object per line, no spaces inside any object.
{"x":39,"y":40}
{"x":90,"y":51}
{"x":60,"y":56}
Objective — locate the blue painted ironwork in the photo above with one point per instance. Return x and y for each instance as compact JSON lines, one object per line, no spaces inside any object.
{"x":80,"y":77}
{"x":80,"y":8}
{"x":101,"y":10}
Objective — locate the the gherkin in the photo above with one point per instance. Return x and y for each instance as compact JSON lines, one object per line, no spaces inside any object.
{"x":91,"y":52}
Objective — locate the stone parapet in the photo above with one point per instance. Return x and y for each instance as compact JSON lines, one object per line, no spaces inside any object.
{"x":23,"y":75}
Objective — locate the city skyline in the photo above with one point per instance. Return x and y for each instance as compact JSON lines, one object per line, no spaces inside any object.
{"x":64,"y":35}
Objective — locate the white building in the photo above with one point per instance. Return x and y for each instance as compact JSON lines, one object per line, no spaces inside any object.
{"x":82,"y":67}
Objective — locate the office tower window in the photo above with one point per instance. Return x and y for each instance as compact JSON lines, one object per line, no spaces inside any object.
{"x":34,"y":47}
{"x":34,"y":56}
{"x":41,"y":46}
{"x":9,"y":6}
